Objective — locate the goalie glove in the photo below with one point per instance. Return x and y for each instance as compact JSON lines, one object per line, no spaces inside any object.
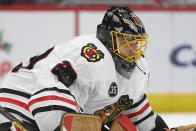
{"x":191,"y":127}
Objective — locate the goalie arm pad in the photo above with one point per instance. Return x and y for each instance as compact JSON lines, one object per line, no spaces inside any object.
{"x":160,"y":124}
{"x":83,"y":122}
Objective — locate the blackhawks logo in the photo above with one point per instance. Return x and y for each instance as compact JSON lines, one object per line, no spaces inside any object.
{"x":91,"y":53}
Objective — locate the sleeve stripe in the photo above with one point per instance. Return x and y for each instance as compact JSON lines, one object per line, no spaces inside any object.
{"x":52,"y":97}
{"x":10,"y":91}
{"x":53,"y":89}
{"x":139,"y":112}
{"x":138,"y":103}
{"x":143,"y":119}
{"x":15,"y":102}
{"x":52,"y":108}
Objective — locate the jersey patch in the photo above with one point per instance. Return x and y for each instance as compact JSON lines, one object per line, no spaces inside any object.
{"x":91,"y":53}
{"x":113,"y":90}
{"x":65,"y":73}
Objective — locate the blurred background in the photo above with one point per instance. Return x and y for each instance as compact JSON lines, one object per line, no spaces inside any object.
{"x":29,"y":27}
{"x":165,"y":3}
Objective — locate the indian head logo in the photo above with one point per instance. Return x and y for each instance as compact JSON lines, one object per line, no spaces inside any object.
{"x":4,"y":46}
{"x":91,"y":53}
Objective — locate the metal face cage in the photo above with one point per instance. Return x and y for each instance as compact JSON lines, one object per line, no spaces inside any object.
{"x":129,"y":47}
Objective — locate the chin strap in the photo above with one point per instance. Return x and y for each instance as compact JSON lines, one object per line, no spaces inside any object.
{"x":140,"y":69}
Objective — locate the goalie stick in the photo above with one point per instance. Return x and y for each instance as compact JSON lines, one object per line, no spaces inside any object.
{"x":14,"y":120}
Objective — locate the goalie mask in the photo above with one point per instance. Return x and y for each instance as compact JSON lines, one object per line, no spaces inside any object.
{"x":123,"y":34}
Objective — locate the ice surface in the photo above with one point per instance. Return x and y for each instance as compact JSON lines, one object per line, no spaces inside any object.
{"x":177,"y":119}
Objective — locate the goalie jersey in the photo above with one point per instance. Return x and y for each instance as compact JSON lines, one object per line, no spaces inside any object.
{"x":78,"y":76}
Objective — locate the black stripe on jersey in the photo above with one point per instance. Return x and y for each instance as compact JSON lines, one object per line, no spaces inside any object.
{"x":143,"y":119}
{"x":5,"y":126}
{"x":20,"y":114}
{"x":138,"y":103}
{"x":15,"y":92}
{"x":52,"y":108}
{"x":54,"y":89}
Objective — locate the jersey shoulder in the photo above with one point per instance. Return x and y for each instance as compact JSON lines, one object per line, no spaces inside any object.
{"x":96,"y":58}
{"x":88,"y":57}
{"x":80,"y":44}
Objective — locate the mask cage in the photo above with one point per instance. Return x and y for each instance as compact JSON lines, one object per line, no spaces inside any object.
{"x":129,"y":47}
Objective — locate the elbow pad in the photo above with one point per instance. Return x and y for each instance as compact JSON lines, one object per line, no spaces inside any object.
{"x":160,"y":124}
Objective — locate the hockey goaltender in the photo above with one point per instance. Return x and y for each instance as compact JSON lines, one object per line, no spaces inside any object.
{"x":90,"y":83}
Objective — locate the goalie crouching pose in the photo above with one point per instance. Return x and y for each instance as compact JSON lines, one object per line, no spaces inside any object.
{"x":92,"y":82}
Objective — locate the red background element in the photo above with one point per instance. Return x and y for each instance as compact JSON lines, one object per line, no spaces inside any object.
{"x":5,"y":67}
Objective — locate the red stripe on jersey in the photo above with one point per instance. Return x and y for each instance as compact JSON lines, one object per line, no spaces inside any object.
{"x":139,"y":112}
{"x":15,"y":102}
{"x":52,"y":97}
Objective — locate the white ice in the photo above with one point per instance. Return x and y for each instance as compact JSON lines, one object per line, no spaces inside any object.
{"x":177,"y":119}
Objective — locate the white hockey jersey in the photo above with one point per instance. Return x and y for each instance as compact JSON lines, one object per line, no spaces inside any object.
{"x":33,"y":91}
